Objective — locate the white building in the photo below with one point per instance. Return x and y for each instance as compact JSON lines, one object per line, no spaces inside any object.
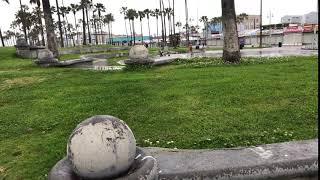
{"x":292,"y":19}
{"x":310,"y":18}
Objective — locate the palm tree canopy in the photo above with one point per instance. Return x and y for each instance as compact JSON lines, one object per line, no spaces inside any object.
{"x":74,"y":8}
{"x":141,"y":15}
{"x":7,"y":1}
{"x":132,"y":14}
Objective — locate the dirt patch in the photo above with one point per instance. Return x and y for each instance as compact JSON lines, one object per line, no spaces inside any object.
{"x":19,"y":82}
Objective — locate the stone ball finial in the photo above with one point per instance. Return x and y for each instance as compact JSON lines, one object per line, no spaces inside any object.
{"x":101,"y":147}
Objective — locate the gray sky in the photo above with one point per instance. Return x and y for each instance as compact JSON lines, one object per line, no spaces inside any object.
{"x":197,"y":8}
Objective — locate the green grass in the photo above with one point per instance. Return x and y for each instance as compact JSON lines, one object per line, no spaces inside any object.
{"x":185,"y":105}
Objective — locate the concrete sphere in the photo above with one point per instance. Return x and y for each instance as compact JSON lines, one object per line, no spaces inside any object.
{"x":101,"y":147}
{"x":138,"y":52}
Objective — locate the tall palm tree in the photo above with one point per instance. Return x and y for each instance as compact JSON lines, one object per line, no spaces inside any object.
{"x":164,"y":23}
{"x":51,"y":37}
{"x":141,"y":16}
{"x":123,"y":11}
{"x":155,"y":13}
{"x":40,"y":19}
{"x":231,"y":51}
{"x":100,"y":8}
{"x":132,"y":14}
{"x":173,"y":19}
{"x":88,"y":5}
{"x":161,"y":17}
{"x":147,"y":12}
{"x":187,"y":25}
{"x":179,"y":25}
{"x":83,"y":5}
{"x":1,"y":37}
{"x":74,"y":8}
{"x":23,"y":25}
{"x":59,"y":24}
{"x":168,"y":12}
{"x":205,"y":20}
{"x":64,"y":11}
{"x":108,"y":19}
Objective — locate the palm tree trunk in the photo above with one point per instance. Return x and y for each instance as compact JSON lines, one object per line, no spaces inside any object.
{"x":40,"y":22}
{"x":162,"y":32}
{"x":84,"y":41}
{"x":65,"y":31}
{"x":141,"y":30}
{"x":134,"y":33}
{"x":23,"y":25}
{"x":231,"y":51}
{"x":125,"y":25}
{"x":88,"y":26}
{"x":1,"y":37}
{"x":51,"y":37}
{"x":59,"y":24}
{"x":75,"y":26}
{"x":149,"y":30}
{"x":157,"y":29}
{"x":164,"y":25}
{"x":95,"y":29}
{"x":187,"y":25}
{"x":130,"y":32}
{"x":173,"y":23}
{"x":109,"y":33}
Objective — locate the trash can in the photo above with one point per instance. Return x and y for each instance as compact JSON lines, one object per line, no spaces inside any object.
{"x":280,"y":44}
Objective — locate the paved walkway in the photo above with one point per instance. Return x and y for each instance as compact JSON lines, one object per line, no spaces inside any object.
{"x":264,"y":52}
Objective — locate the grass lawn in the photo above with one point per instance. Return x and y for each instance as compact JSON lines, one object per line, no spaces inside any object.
{"x":182,"y":106}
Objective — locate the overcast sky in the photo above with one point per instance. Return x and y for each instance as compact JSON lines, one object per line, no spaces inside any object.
{"x":197,"y":8}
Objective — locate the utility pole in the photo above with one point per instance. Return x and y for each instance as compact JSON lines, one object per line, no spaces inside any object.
{"x":187,"y":25}
{"x":260,"y":45}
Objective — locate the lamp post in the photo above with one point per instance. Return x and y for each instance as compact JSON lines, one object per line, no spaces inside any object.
{"x":270,"y":16}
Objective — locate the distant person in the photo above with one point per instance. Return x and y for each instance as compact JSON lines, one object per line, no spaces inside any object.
{"x":190,"y":49}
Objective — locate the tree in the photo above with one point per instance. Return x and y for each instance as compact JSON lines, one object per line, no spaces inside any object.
{"x":147,"y":12}
{"x":132,"y":14}
{"x":179,"y":25}
{"x":83,"y":5}
{"x":1,"y":37}
{"x":141,"y":16}
{"x":40,"y":19}
{"x":241,"y":17}
{"x":187,"y":25}
{"x":155,"y":13}
{"x":51,"y":37}
{"x":23,"y":25}
{"x":59,"y":24}
{"x":108,"y":19}
{"x":75,"y":8}
{"x":64,"y":11}
{"x":123,"y":11}
{"x":231,"y":51}
{"x":204,"y":19}
{"x":100,"y":8}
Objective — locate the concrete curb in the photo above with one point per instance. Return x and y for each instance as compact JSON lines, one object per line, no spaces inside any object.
{"x":287,"y":160}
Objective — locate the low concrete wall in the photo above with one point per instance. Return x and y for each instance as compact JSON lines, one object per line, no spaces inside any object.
{"x":290,"y":160}
{"x":86,"y":50}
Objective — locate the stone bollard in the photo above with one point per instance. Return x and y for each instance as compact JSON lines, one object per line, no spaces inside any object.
{"x":139,"y":55}
{"x":104,"y":147}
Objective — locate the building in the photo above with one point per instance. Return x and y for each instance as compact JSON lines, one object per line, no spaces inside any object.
{"x":292,"y":19}
{"x":310,"y":18}
{"x":252,"y":22}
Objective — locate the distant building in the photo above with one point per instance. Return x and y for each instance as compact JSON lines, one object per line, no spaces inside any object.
{"x":252,"y":22}
{"x":310,"y":18}
{"x":292,"y":19}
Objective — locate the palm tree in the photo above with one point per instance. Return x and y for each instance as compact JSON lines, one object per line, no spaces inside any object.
{"x":64,"y":11}
{"x":179,"y":25}
{"x":141,"y":16}
{"x":88,"y":5}
{"x":241,"y":17}
{"x":59,"y":24}
{"x":83,"y":5}
{"x":168,"y":12}
{"x":100,"y":8}
{"x":147,"y":12}
{"x":123,"y":11}
{"x":108,"y":19}
{"x":132,"y":14}
{"x":51,"y":37}
{"x":40,"y":18}
{"x":173,"y":23}
{"x":74,"y":8}
{"x":155,"y":13}
{"x":231,"y":51}
{"x":204,"y":19}
{"x":164,"y":23}
{"x":1,"y":37}
{"x":23,"y":25}
{"x":187,"y":25}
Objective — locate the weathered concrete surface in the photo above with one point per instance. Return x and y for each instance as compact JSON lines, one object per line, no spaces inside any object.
{"x":144,"y":167}
{"x":101,"y":147}
{"x":288,"y":160}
